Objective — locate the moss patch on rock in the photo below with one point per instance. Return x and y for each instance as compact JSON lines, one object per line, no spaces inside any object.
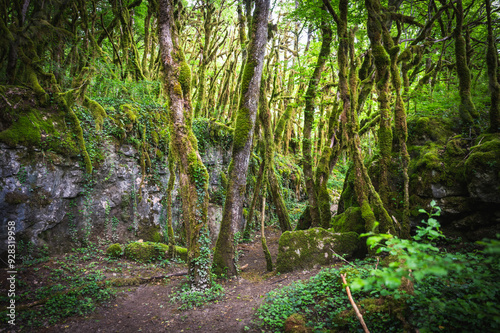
{"x":303,"y":249}
{"x":296,"y":324}
{"x":150,"y":251}
{"x":350,"y":220}
{"x":114,"y":250}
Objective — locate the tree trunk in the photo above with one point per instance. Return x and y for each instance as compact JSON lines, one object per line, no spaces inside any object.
{"x":492,"y":62}
{"x":466,"y":109}
{"x":382,"y":63}
{"x":265,"y":121}
{"x":267,"y":254}
{"x":242,"y":142}
{"x":193,"y":174}
{"x":308,"y":125}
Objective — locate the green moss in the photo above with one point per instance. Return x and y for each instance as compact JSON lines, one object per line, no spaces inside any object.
{"x":242,"y":129}
{"x":185,"y":79}
{"x":350,"y":220}
{"x":40,"y":93}
{"x":430,"y":158}
{"x":150,"y":251}
{"x":485,"y":156}
{"x":296,"y":323}
{"x":426,"y":129}
{"x":248,"y":72}
{"x":156,"y":237}
{"x":114,"y":250}
{"x":129,"y":111}
{"x":223,"y":179}
{"x":304,"y":249}
{"x":25,"y":131}
{"x":197,"y":171}
{"x":97,"y":112}
{"x":368,"y":216}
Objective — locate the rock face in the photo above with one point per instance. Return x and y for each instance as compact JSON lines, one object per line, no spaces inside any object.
{"x":54,"y":203}
{"x":303,"y":249}
{"x":461,"y":174}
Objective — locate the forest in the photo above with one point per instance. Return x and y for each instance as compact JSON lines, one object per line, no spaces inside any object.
{"x":250,"y":166}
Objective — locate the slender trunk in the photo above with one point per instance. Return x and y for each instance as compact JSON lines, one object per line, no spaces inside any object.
{"x":466,"y":109}
{"x":267,"y":254}
{"x":242,"y":143}
{"x":170,"y":188}
{"x":256,"y":193}
{"x":277,"y":197}
{"x":492,"y":62}
{"x":310,"y":102}
{"x":147,"y":41}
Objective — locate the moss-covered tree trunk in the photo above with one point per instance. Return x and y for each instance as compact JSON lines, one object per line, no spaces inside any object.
{"x":193,"y":174}
{"x":277,"y":197}
{"x":466,"y":109}
{"x":170,"y":188}
{"x":265,"y":249}
{"x":310,"y":104}
{"x":492,"y":62}
{"x":242,"y":142}
{"x":368,"y":199}
{"x":400,"y":127}
{"x":382,"y":64}
{"x":256,"y":193}
{"x":208,"y":10}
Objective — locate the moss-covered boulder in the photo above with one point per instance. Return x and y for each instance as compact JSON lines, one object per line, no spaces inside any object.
{"x":350,"y":220}
{"x":483,"y":169}
{"x":114,"y":250}
{"x":303,"y":249}
{"x":150,"y":251}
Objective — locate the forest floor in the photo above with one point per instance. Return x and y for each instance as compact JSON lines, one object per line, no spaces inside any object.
{"x":147,"y":307}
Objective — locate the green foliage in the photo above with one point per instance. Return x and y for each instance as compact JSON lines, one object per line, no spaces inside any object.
{"x":210,"y":133}
{"x":451,"y":291}
{"x":442,"y":292}
{"x":321,"y":300}
{"x":192,"y":299}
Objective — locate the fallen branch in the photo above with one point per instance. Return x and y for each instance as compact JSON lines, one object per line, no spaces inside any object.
{"x":358,"y":314}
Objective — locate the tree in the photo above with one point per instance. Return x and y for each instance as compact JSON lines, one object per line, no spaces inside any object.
{"x":492,"y":62}
{"x":193,"y":173}
{"x":309,"y":109}
{"x":242,"y":143}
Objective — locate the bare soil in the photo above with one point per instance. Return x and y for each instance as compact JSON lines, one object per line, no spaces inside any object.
{"x":147,"y":307}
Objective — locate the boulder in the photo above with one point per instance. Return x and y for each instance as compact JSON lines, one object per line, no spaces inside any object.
{"x":304,"y":249}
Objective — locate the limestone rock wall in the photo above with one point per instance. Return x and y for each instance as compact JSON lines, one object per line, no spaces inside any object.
{"x":54,"y":202}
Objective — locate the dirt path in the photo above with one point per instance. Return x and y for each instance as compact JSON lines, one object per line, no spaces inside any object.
{"x":147,"y":308}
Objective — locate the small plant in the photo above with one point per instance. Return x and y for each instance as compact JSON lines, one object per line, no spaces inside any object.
{"x":190,"y":299}
{"x":114,"y":250}
{"x":114,"y":228}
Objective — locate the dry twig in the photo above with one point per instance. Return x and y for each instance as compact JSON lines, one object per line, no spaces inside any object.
{"x":358,"y":314}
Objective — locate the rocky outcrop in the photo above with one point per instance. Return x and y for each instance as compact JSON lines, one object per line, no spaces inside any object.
{"x":54,"y":203}
{"x":460,"y":173}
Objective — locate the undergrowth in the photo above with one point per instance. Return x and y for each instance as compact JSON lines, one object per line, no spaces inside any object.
{"x":192,"y":299}
{"x":417,"y":285}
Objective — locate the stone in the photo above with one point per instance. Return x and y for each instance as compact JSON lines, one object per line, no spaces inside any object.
{"x":303,"y":249}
